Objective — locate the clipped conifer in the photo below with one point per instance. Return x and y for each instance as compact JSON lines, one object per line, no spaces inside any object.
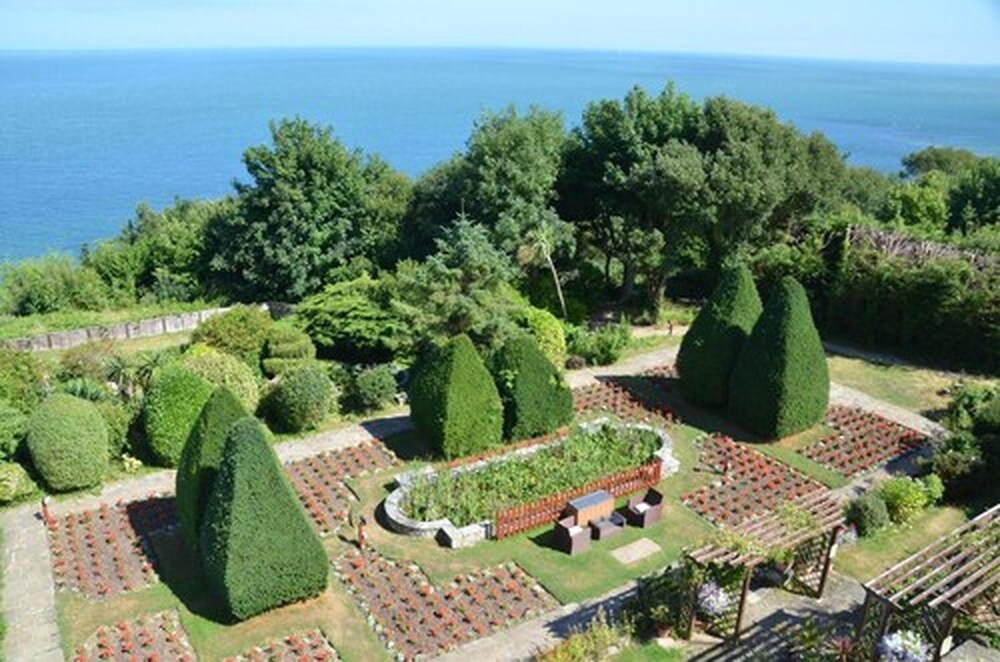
{"x":454,"y":403}
{"x":780,"y":384}
{"x":536,"y":399}
{"x":200,"y":460}
{"x":711,"y":346}
{"x":257,"y":548}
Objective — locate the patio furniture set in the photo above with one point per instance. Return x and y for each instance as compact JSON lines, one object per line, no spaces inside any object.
{"x":593,"y":517}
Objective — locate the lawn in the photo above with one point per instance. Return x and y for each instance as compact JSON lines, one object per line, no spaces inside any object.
{"x":787,"y":451}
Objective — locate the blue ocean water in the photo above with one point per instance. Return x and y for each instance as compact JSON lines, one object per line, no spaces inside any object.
{"x":85,"y":136}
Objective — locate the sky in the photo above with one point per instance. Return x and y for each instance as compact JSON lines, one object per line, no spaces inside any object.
{"x":942,"y":31}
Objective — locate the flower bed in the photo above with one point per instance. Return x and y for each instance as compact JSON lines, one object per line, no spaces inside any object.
{"x":752,"y":483}
{"x":863,"y":440}
{"x":155,"y":638}
{"x":415,"y":618}
{"x":613,"y":398}
{"x":105,"y":552}
{"x":584,"y":456}
{"x":309,"y":646}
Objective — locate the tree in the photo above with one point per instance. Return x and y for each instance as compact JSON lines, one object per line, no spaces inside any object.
{"x":780,"y":384}
{"x":258,"y":549}
{"x":975,"y":199}
{"x":313,"y":207}
{"x":541,"y":241}
{"x":950,"y":161}
{"x":709,"y":349}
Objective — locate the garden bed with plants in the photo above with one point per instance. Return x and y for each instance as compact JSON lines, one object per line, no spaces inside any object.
{"x":863,"y":441}
{"x":751,"y":483}
{"x":156,"y":638}
{"x":609,"y":397}
{"x":415,"y":618}
{"x":309,"y":646}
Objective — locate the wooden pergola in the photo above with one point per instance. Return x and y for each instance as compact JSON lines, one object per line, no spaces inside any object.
{"x":957,"y":575}
{"x":811,"y":547}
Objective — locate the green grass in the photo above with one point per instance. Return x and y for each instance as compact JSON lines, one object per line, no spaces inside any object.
{"x":787,"y":451}
{"x":33,"y":325}
{"x":649,"y":652}
{"x":870,"y":556}
{"x":648,"y":344}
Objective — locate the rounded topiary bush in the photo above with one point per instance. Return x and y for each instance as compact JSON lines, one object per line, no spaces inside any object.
{"x":373,"y":388}
{"x":200,"y":460}
{"x":240,"y":331}
{"x":780,"y":384}
{"x":536,"y":399}
{"x":711,"y":346}
{"x":257,"y":548}
{"x":173,"y":403}
{"x":220,"y":369}
{"x":454,"y":403}
{"x":286,"y":348}
{"x":15,"y":483}
{"x":68,"y":443}
{"x":868,"y":513}
{"x":300,"y":400}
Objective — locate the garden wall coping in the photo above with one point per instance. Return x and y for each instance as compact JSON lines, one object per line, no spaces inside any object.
{"x":444,"y":530}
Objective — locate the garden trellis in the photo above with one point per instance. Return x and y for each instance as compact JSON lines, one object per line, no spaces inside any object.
{"x":957,"y":575}
{"x":806,"y":530}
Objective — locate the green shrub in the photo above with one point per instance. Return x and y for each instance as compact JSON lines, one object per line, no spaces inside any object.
{"x":201,"y":458}
{"x":987,"y":419}
{"x":278,"y":367}
{"x":709,"y":349}
{"x":373,"y":388}
{"x":601,"y":346}
{"x":86,"y":389}
{"x":968,"y":399}
{"x":959,"y":463}
{"x":905,"y":498}
{"x":286,"y":349}
{"x":173,"y":404}
{"x":220,"y":369}
{"x":933,"y":488}
{"x":68,"y":443}
{"x":89,"y":360}
{"x":22,"y":379}
{"x":454,"y":403}
{"x":300,"y":400}
{"x":48,"y":284}
{"x":118,"y":418}
{"x":780,"y":383}
{"x":258,"y":550}
{"x":536,"y":399}
{"x":15,"y":483}
{"x":548,"y":332}
{"x":12,"y":427}
{"x":240,"y":331}
{"x":868,"y":513}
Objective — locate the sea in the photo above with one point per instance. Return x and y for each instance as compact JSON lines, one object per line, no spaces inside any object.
{"x":85,"y":136}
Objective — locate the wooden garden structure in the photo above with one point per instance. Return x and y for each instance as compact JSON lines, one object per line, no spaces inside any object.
{"x":805,"y":532}
{"x":956,"y":575}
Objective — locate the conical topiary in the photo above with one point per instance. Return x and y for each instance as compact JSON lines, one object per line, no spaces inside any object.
{"x":200,"y":460}
{"x":536,"y":398}
{"x":257,"y":548}
{"x":711,"y":346}
{"x":780,"y":384}
{"x":454,"y":403}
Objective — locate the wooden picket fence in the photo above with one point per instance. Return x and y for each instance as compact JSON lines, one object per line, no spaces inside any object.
{"x":516,"y":519}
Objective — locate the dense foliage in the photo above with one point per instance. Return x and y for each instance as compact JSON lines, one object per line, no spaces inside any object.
{"x":373,"y":388}
{"x":68,"y":442}
{"x":906,"y":497}
{"x":240,"y":331}
{"x":711,"y":346}
{"x":601,"y":346}
{"x":454,"y":403}
{"x":868,"y":513}
{"x":584,"y":456}
{"x":13,"y":423}
{"x":201,"y":458}
{"x":221,"y":369}
{"x":15,"y":483}
{"x":258,"y":550}
{"x":286,"y":348}
{"x":536,"y":399}
{"x":22,"y":378}
{"x":780,"y":384}
{"x":300,"y":400}
{"x":173,"y":404}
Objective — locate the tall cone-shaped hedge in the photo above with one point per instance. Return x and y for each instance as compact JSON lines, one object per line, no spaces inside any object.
{"x":536,"y":398}
{"x":780,"y":384}
{"x":711,"y":346}
{"x":454,"y":403}
{"x":257,"y":548}
{"x":201,"y":458}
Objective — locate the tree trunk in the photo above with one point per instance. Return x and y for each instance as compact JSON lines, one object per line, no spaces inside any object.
{"x":555,"y":279}
{"x":628,"y":282}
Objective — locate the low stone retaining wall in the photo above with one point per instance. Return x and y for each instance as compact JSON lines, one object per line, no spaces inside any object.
{"x":445,"y":531}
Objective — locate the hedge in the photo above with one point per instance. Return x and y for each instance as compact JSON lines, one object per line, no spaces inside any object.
{"x":373,"y":388}
{"x":12,"y":426}
{"x":536,"y":399}
{"x":711,"y":346}
{"x":286,"y":348}
{"x":240,"y":331}
{"x":15,"y":483}
{"x":68,"y":443}
{"x":173,"y":404}
{"x":22,"y":377}
{"x":780,"y":384}
{"x":548,"y":332}
{"x":201,"y":457}
{"x":454,"y":403}
{"x":258,"y":550}
{"x":118,"y":418}
{"x":220,"y":369}
{"x":300,"y":400}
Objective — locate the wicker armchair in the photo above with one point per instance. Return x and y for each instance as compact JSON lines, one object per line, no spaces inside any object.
{"x":569,"y":537}
{"x":645,"y":510}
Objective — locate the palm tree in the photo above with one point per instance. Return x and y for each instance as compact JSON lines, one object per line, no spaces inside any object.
{"x":547,"y":235}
